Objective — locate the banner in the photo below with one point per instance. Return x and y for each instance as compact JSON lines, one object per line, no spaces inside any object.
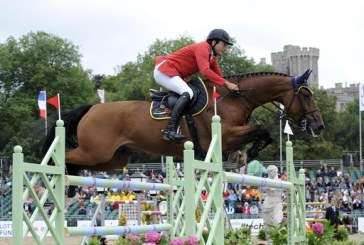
{"x":361,"y":96}
{"x":101,"y":94}
{"x":42,"y":104}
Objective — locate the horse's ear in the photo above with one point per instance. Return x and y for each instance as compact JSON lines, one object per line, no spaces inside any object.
{"x":303,"y":78}
{"x":306,"y":75}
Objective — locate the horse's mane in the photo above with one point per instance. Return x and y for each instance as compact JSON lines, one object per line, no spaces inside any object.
{"x":256,"y":74}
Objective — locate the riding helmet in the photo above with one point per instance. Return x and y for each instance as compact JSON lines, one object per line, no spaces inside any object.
{"x":219,"y":34}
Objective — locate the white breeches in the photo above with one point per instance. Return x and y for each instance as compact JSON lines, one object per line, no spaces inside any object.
{"x":175,"y":84}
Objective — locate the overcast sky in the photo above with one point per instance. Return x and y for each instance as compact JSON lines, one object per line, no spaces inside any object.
{"x":110,"y":33}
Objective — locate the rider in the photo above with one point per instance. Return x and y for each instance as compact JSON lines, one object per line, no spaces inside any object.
{"x":171,"y":70}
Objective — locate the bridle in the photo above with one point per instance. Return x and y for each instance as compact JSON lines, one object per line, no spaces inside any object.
{"x":283,"y":113}
{"x":302,"y":123}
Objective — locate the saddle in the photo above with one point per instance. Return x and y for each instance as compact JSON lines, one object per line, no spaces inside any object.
{"x":163,"y":102}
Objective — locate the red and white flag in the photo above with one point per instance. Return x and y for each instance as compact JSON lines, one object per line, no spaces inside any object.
{"x":215,"y":95}
{"x":56,"y":102}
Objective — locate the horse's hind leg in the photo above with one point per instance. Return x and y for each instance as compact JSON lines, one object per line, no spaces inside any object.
{"x":72,"y":170}
{"x":263,"y":139}
{"x":119,"y":159}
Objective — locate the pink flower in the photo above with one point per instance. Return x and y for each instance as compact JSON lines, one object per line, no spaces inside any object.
{"x":134,"y":239}
{"x":317,"y":228}
{"x":192,"y":240}
{"x":177,"y":241}
{"x":152,"y":237}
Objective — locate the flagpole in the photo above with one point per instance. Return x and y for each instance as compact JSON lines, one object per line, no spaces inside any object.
{"x":46,"y":117}
{"x":360,"y":142}
{"x":280,"y":146}
{"x":280,"y":139}
{"x":360,"y":133}
{"x":59,"y":107}
{"x":215,"y":107}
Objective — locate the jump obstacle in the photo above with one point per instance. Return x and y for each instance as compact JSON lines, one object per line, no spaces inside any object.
{"x":183,"y":198}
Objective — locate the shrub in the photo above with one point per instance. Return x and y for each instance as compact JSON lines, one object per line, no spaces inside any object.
{"x":240,"y":236}
{"x":262,"y":235}
{"x":342,"y":233}
{"x":94,"y":240}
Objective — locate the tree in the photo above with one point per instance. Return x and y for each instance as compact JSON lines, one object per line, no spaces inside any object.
{"x":134,"y":79}
{"x":305,"y":146}
{"x":37,"y":61}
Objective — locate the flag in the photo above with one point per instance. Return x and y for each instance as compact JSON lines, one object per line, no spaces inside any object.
{"x":215,"y":95}
{"x":361,"y":96}
{"x":101,"y":94}
{"x":42,"y":104}
{"x":54,"y":101}
{"x":287,"y":129}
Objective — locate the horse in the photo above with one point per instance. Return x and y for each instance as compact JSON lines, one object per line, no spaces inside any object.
{"x":101,"y":137}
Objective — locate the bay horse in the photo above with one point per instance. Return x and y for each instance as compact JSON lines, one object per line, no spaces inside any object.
{"x":102,"y":136}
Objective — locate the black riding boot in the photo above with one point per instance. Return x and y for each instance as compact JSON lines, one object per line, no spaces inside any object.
{"x":170,"y":132}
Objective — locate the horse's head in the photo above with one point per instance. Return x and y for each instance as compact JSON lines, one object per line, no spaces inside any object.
{"x":302,"y":106}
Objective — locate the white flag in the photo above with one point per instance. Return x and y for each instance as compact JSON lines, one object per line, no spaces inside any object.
{"x":101,"y":94}
{"x":361,"y":96}
{"x":287,"y":129}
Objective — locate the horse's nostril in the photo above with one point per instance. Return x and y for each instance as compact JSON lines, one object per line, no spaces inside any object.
{"x":322,"y":127}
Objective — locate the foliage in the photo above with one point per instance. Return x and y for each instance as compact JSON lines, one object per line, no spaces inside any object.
{"x":262,"y":235}
{"x":345,"y":243}
{"x":198,"y":214}
{"x":238,"y":236}
{"x":146,"y":218}
{"x":278,"y":234}
{"x":342,"y":234}
{"x":325,"y":146}
{"x":319,"y":233}
{"x":94,"y":240}
{"x":37,"y":61}
{"x":122,"y":219}
{"x":154,"y":238}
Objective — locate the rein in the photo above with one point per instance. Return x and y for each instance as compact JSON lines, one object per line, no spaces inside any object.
{"x":282,"y":114}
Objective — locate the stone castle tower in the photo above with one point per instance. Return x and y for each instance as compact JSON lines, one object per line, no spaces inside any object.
{"x":295,"y":61}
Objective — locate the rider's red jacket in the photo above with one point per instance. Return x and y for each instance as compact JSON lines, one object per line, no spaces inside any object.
{"x":191,"y":59}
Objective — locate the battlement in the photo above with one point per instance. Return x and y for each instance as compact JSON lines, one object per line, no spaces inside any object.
{"x":293,"y":50}
{"x":294,"y":60}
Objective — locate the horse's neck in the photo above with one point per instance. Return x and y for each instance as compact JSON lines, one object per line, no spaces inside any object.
{"x":256,"y":90}
{"x":264,"y":89}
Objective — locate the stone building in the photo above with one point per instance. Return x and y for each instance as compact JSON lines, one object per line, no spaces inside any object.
{"x":344,"y":94}
{"x":294,"y":60}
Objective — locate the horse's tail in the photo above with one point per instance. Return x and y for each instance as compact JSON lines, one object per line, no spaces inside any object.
{"x":71,"y":120}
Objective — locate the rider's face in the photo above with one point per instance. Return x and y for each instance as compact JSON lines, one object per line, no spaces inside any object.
{"x":221,"y":47}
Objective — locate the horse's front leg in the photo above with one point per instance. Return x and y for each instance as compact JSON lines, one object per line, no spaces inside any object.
{"x":260,"y":135}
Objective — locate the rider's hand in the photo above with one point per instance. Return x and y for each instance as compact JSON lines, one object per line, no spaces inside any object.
{"x":231,"y":86}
